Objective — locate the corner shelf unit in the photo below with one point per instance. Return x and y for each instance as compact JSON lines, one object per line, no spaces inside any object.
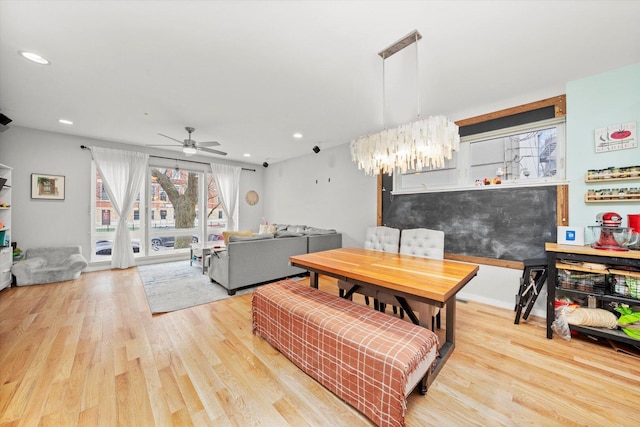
{"x":6,"y":252}
{"x":564,"y":257}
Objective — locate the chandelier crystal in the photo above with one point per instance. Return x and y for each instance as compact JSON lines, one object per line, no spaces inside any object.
{"x":425,"y":143}
{"x":422,"y":144}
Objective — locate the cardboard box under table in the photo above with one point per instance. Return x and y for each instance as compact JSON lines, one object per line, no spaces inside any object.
{"x":369,"y":359}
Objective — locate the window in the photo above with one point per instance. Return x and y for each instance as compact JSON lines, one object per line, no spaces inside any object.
{"x":530,"y":154}
{"x":157,"y":227}
{"x":177,"y":207}
{"x":216,"y":219}
{"x":105,"y":220}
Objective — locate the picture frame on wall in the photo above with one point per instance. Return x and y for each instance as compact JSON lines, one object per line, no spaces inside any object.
{"x":48,"y":187}
{"x":616,"y":137}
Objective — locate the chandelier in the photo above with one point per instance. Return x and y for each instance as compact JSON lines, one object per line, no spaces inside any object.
{"x":425,"y":143}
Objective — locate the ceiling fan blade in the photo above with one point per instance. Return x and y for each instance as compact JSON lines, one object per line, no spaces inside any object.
{"x":176,"y":140}
{"x":208,"y":143}
{"x":159,"y":145}
{"x":211,"y":150}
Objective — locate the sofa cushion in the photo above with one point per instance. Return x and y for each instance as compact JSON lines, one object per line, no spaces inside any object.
{"x":265,"y":229}
{"x":313,"y":231}
{"x":250,"y":238}
{"x":226,"y":234}
{"x":287,"y":233}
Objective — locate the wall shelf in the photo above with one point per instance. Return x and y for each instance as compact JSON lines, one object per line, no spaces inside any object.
{"x":626,"y":199}
{"x":613,"y":195}
{"x":612,"y":178}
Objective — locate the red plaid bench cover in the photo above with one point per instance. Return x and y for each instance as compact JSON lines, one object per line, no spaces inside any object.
{"x":369,"y":359}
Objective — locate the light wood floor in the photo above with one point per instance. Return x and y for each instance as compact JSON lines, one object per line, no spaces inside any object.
{"x":88,"y":352}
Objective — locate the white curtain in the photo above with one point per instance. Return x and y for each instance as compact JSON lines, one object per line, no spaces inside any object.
{"x":228,"y":183}
{"x":122,"y":175}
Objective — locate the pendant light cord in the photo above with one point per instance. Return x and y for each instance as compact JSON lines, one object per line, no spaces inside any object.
{"x":417,"y":78}
{"x":383,"y":95}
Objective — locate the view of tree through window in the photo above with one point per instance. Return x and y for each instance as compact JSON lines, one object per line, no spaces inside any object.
{"x":169,"y":217}
{"x":179,"y":211}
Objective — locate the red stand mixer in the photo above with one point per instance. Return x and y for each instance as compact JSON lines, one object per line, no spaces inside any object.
{"x":634,"y":225}
{"x":611,"y":234}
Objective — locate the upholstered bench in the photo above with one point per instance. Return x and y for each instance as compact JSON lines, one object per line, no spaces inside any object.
{"x":369,"y":359}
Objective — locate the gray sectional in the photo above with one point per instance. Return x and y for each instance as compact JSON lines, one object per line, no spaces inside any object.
{"x":265,"y":257}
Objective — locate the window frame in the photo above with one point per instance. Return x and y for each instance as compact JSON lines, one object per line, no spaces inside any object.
{"x":462,"y":178}
{"x":144,"y":233}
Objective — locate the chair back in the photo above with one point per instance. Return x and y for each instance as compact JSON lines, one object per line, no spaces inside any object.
{"x":422,"y":242}
{"x":382,"y":239}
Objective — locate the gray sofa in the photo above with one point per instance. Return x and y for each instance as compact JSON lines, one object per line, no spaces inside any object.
{"x":50,"y":264}
{"x":265,"y":257}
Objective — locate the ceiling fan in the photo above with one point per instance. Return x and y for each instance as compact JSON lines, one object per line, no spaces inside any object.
{"x":190,"y":147}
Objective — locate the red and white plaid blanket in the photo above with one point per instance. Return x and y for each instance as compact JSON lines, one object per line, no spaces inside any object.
{"x":361,"y":355}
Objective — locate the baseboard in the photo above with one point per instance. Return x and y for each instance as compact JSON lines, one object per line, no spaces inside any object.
{"x":462,"y":296}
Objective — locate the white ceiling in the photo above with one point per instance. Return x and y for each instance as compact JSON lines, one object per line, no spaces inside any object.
{"x":251,"y":73}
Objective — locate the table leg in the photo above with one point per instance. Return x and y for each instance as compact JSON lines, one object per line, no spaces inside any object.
{"x":205,"y":260}
{"x":451,"y":321}
{"x":408,"y":310}
{"x":313,"y":279}
{"x":450,"y":341}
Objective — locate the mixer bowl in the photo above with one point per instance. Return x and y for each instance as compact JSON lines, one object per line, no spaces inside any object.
{"x":602,"y":237}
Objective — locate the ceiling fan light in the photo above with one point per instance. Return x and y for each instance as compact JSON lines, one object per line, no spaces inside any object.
{"x":189,"y":150}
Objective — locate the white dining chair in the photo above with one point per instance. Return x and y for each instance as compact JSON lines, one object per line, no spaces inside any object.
{"x":377,"y":238}
{"x":420,"y":242}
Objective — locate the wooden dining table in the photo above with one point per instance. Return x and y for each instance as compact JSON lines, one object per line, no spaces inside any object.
{"x":408,"y":278}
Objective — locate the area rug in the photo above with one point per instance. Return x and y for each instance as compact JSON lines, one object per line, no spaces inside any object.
{"x":173,"y":286}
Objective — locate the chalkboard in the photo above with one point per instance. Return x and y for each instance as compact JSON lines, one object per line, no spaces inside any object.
{"x":506,"y":223}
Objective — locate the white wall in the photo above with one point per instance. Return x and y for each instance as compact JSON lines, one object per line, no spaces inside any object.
{"x":595,"y":102}
{"x":323,"y":190}
{"x":37,"y":223}
{"x":48,"y":222}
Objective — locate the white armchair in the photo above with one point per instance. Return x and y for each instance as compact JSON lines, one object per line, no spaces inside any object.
{"x":381,"y":239}
{"x":426,"y":243}
{"x":49,"y":264}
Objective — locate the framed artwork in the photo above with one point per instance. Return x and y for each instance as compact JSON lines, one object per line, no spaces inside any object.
{"x":50,"y":187}
{"x":616,"y":137}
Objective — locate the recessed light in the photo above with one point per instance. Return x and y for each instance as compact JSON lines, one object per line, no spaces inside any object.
{"x":65,"y":122}
{"x":34,"y":57}
{"x":297,"y":135}
{"x":247,"y":155}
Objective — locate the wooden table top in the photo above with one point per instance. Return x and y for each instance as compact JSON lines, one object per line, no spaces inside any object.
{"x":588,"y":250}
{"x":438,"y":280}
